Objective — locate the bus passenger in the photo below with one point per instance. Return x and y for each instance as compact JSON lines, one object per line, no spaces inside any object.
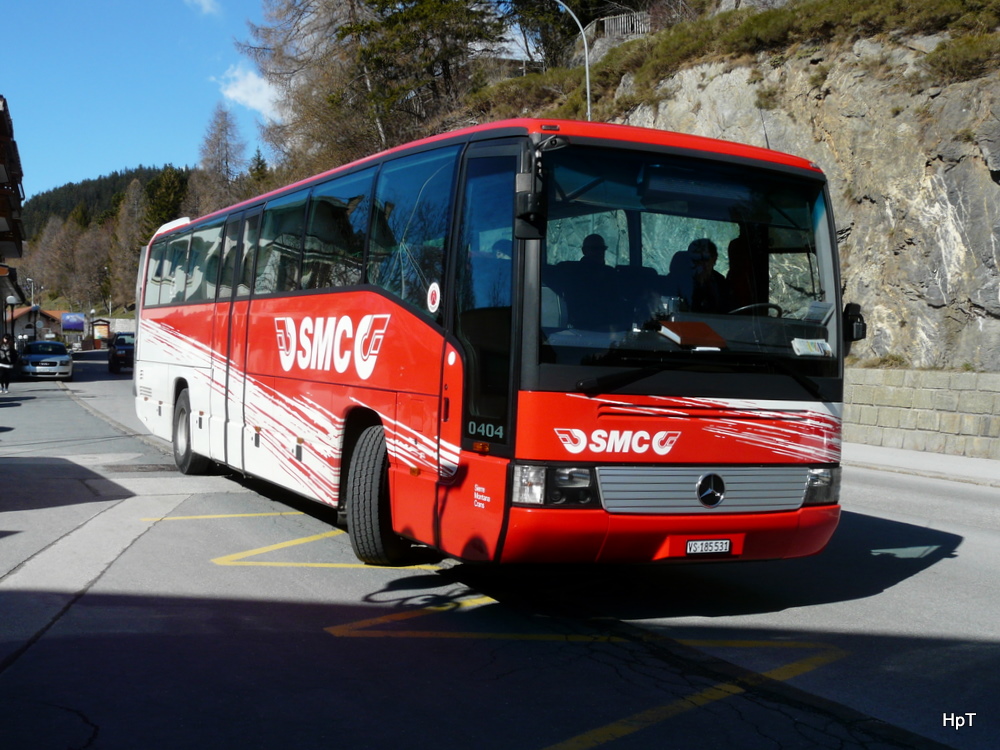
{"x":741,"y":271}
{"x":590,"y":287}
{"x":712,"y":293}
{"x":679,"y":281}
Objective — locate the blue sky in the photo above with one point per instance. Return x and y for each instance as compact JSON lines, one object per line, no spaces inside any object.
{"x":97,"y":86}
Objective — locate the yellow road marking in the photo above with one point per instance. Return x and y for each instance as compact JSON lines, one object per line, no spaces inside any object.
{"x":239,"y":558}
{"x":364,"y":628}
{"x":649,"y":717}
{"x":223,"y":515}
{"x":359,"y":628}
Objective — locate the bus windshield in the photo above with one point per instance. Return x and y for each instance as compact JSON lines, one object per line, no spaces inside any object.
{"x":666,"y":262}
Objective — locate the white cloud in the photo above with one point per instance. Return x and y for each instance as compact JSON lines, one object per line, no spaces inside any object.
{"x":208,"y":7}
{"x":247,"y":88}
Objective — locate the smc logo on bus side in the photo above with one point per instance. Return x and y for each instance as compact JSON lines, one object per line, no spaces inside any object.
{"x":617,"y":441}
{"x":319,"y":343}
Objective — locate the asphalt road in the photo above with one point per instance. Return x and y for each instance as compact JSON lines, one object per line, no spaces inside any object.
{"x":140,"y":608}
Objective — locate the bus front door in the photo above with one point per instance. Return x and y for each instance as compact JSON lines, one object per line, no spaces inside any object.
{"x":477,"y":377}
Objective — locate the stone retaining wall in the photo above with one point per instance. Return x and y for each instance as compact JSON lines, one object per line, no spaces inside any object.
{"x":956,"y":413}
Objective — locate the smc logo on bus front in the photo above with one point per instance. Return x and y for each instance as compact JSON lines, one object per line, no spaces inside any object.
{"x":617,"y":441}
{"x":322,"y":343}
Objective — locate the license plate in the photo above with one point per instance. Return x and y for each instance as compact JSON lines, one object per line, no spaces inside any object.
{"x":707,"y":546}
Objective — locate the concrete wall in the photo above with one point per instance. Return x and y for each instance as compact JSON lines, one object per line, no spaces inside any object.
{"x":957,"y":413}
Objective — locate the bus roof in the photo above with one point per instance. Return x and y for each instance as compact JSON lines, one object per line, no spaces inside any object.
{"x":651,"y":136}
{"x":548,"y":127}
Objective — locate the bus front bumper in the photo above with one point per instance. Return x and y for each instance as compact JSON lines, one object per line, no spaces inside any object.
{"x":595,"y":536}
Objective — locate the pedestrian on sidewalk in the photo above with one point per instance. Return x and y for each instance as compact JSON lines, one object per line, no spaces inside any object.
{"x":8,"y":356}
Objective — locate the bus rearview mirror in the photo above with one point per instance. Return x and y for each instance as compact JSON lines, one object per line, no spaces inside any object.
{"x":855,"y":328}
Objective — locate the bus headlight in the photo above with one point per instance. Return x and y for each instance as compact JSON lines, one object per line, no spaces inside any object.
{"x":529,"y":485}
{"x":555,"y":487}
{"x":822,"y":487}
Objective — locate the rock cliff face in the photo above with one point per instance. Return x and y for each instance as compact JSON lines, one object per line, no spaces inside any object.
{"x":913,"y":175}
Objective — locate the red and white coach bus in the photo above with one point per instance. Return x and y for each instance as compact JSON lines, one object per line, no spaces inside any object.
{"x":528,"y":341}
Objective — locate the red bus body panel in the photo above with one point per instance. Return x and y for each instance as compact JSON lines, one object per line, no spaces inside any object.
{"x":684,"y":431}
{"x":674,"y":430}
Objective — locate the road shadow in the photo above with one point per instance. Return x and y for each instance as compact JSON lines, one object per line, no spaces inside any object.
{"x":162,"y":672}
{"x":11,"y":401}
{"x":866,"y":556}
{"x":36,"y":483}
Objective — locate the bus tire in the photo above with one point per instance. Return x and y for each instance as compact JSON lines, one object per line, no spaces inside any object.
{"x":187,"y":460}
{"x":369,"y":514}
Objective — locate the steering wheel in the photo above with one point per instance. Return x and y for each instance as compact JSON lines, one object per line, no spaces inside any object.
{"x":758,"y":306}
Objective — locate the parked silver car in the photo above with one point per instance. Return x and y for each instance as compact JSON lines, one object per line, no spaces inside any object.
{"x":46,"y":359}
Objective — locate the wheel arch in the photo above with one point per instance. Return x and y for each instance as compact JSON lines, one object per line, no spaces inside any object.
{"x":356,"y":421}
{"x":180,"y":385}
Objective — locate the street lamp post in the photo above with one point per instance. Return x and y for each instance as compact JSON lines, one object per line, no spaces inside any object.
{"x":586,"y":51}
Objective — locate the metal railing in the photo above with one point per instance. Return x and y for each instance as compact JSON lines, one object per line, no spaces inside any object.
{"x":619,"y":27}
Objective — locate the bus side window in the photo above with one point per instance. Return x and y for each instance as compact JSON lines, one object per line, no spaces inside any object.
{"x":228,"y":272}
{"x":335,"y":232}
{"x":154,"y":273}
{"x":203,"y":264}
{"x":279,"y":253}
{"x":413,"y":203}
{"x":250,"y":227}
{"x":174,"y":270}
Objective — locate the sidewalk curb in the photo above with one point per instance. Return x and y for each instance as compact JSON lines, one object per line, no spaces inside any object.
{"x":983,"y":482}
{"x":150,"y":440}
{"x":979,"y":471}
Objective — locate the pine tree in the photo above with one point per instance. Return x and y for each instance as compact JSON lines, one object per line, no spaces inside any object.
{"x":165,"y":195}
{"x":258,"y":171}
{"x":419,"y":54}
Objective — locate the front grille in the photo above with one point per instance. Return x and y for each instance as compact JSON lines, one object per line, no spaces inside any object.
{"x":673,"y":489}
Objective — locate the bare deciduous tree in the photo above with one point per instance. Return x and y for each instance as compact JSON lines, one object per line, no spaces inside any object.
{"x":357,"y":76}
{"x":126,"y":245}
{"x":88,"y":283}
{"x":223,"y":160}
{"x":300,"y":51}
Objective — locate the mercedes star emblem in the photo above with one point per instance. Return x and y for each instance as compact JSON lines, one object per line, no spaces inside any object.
{"x":711,"y":490}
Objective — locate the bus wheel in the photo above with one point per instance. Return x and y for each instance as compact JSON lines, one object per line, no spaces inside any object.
{"x":368,"y":512}
{"x":187,"y":461}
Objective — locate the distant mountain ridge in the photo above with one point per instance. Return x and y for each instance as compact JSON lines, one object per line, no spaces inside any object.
{"x":96,"y":197}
